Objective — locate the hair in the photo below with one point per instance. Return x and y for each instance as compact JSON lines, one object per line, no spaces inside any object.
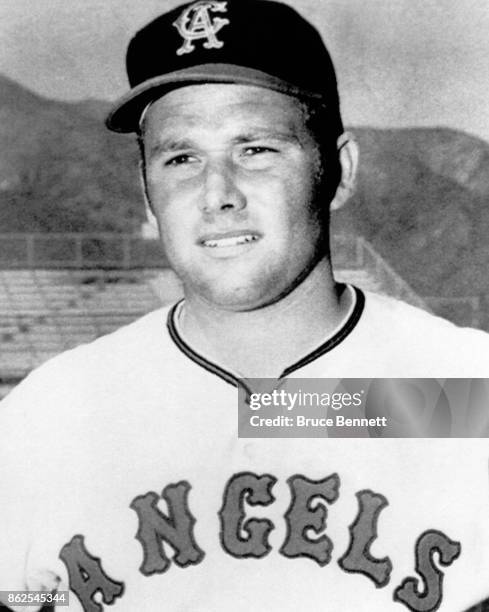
{"x":142,"y":156}
{"x":326,"y":127}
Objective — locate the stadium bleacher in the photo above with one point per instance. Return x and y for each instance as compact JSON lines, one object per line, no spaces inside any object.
{"x":43,"y":312}
{"x":51,"y":305}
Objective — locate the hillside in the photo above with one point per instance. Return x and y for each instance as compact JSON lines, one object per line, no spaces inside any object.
{"x":422,"y":199}
{"x":60,"y":170}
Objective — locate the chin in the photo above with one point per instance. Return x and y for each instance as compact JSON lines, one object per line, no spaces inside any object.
{"x":240,"y":290}
{"x":237,"y":300}
{"x":230,"y":296}
{"x":244,"y":297}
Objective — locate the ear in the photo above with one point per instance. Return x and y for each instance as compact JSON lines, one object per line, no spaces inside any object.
{"x":147,"y":204}
{"x":348,"y":154}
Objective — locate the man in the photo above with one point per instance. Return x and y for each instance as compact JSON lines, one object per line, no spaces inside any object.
{"x":122,"y":472}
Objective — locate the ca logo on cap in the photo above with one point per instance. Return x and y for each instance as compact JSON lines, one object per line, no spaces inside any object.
{"x":196,"y":23}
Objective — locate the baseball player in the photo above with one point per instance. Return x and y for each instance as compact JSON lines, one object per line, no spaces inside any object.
{"x":123,"y":479}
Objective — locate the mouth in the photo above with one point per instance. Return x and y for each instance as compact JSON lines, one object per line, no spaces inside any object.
{"x":229,"y":241}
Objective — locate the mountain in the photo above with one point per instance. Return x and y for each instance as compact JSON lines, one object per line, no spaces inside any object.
{"x":422,"y":199}
{"x":60,"y":169}
{"x":422,"y":196}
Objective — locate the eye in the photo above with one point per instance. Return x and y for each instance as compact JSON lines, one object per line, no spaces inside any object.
{"x":249,"y":151}
{"x":178,"y":160}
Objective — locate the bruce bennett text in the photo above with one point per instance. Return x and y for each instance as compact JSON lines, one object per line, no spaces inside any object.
{"x":301,"y":421}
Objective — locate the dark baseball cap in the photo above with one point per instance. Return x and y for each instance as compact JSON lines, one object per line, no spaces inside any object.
{"x":251,"y":42}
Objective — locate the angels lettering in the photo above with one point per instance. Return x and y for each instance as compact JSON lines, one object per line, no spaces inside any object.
{"x":176,"y":530}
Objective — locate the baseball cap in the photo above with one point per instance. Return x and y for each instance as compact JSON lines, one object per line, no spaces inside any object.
{"x":252,"y":42}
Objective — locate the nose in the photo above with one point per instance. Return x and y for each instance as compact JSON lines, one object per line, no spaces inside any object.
{"x":221,"y":191}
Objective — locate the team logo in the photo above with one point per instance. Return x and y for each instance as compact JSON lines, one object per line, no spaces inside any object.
{"x":197,"y":23}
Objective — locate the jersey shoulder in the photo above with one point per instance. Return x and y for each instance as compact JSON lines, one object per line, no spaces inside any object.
{"x":418,"y":334}
{"x":95,"y":370}
{"x":145,"y":336}
{"x":401,"y":315}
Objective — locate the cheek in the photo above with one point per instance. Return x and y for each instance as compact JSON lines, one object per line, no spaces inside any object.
{"x":175,"y":230}
{"x":163,"y":190}
{"x":310,"y":206}
{"x":293,"y":206}
{"x":174,"y":226}
{"x":171,"y":209}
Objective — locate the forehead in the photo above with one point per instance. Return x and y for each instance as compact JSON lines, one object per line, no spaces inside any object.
{"x":212,"y":105}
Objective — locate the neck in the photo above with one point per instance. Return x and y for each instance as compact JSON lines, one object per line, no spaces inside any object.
{"x":262,"y":343}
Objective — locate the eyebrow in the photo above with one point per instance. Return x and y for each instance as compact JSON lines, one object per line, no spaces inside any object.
{"x":171,"y":144}
{"x":276,"y":134}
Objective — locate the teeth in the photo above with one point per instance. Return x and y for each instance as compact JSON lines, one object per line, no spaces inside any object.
{"x":232,"y":241}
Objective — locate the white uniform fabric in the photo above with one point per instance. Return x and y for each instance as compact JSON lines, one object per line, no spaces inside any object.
{"x":94,"y":430}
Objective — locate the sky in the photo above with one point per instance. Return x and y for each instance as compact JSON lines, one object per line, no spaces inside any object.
{"x":400,"y":63}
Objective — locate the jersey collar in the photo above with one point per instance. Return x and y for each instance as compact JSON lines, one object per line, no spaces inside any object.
{"x":338,"y":336}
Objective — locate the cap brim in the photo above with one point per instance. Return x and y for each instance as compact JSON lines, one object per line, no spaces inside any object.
{"x":125,"y":115}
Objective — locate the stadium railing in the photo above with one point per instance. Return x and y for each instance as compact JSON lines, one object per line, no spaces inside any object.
{"x":114,"y":251}
{"x":356,"y":252}
{"x":79,"y":251}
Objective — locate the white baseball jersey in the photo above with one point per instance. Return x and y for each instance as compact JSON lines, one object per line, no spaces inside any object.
{"x":122,"y":478}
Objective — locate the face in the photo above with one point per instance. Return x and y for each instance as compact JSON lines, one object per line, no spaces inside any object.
{"x":232,"y":178}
